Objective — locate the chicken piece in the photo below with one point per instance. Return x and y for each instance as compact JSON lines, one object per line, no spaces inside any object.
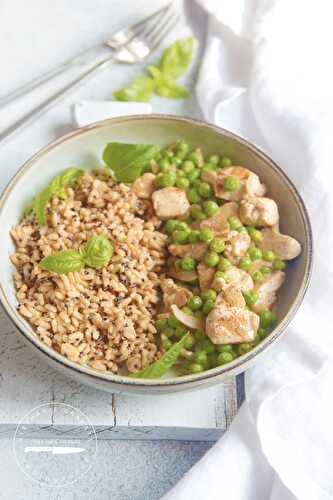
{"x":259,"y":211}
{"x":219,"y":284}
{"x":181,"y":275}
{"x":233,"y":296}
{"x":267,"y":289}
{"x":249,"y":183}
{"x":206,"y":275}
{"x":285,"y":247}
{"x":170,"y":202}
{"x":219,"y":221}
{"x":257,"y":264}
{"x":240,"y":243}
{"x":239,"y":278}
{"x":144,"y":186}
{"x":174,"y":294}
{"x":231,"y":324}
{"x":197,"y":250}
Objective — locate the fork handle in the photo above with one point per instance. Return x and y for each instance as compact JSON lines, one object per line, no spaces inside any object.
{"x":55,"y":98}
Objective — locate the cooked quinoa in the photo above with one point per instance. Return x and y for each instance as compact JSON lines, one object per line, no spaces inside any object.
{"x":100,"y":317}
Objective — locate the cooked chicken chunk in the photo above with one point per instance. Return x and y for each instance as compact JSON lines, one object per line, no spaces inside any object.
{"x":257,"y":264}
{"x":144,"y":186}
{"x":239,"y":278}
{"x":260,"y":211}
{"x":219,"y":221}
{"x":197,"y":250}
{"x":285,"y":247}
{"x":170,"y":202}
{"x":206,"y":275}
{"x":240,"y":243}
{"x":231,"y":324}
{"x":267,"y":289}
{"x":181,"y":275}
{"x":249,"y":183}
{"x":174,"y":294}
{"x":233,"y":296}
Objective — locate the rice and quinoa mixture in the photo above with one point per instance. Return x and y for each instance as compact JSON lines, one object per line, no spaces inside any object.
{"x":101,"y":317}
{"x":164,"y":258}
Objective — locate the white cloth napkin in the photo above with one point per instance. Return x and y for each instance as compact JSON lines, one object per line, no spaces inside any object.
{"x":265,"y":75}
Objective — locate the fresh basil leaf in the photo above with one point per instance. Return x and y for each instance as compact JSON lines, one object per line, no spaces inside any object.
{"x":63,"y":262}
{"x":140,"y":89}
{"x":176,"y":58}
{"x":97,"y":252}
{"x":128,"y":160}
{"x":162,"y":365}
{"x":165,"y":85}
{"x":55,"y":188}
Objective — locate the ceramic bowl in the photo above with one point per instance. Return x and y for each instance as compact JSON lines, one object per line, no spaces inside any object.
{"x":84,"y":147}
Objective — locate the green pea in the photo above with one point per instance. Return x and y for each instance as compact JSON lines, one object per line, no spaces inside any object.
{"x":164,"y":164}
{"x":268,"y":255}
{"x":173,"y":321}
{"x":180,"y":331}
{"x":279,"y":265}
{"x":208,"y":294}
{"x":255,"y":253}
{"x":267,"y":318}
{"x":251,"y":297}
{"x":217,"y":245}
{"x":257,"y":276}
{"x":262,"y":333}
{"x":199,"y":335}
{"x":193,"y":236}
{"x":193,"y":196}
{"x":206,"y":234}
{"x":265,"y":270}
{"x":166,"y":180}
{"x":169,"y":331}
{"x":206,"y":345}
{"x":177,"y":161}
{"x":183,"y":226}
{"x":241,"y":229}
{"x":224,"y":357}
{"x":167,"y":153}
{"x":195,"y":156}
{"x":211,"y":259}
{"x":256,"y":235}
{"x":193,"y":176}
{"x":180,"y":237}
{"x":197,"y":213}
{"x":244,"y":348}
{"x":208,"y":306}
{"x":225,"y":162}
{"x":188,"y":166}
{"x":201,"y":357}
{"x":171,"y":225}
{"x":187,"y":264}
{"x":212,"y":360}
{"x":194,"y":303}
{"x":224,"y":348}
{"x":214,"y":159}
{"x":210,"y":207}
{"x":245,"y":263}
{"x":224,"y":264}
{"x":166,"y":344}
{"x":234,"y":222}
{"x":190,"y":341}
{"x":187,"y":310}
{"x":205,"y":190}
{"x":196,"y":368}
{"x":231,"y":183}
{"x":220,"y":274}
{"x":182,"y":183}
{"x":160,"y":324}
{"x":158,"y":157}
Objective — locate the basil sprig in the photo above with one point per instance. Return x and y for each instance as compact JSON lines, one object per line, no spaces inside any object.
{"x":174,"y":62}
{"x":55,"y":188}
{"x":162,"y":365}
{"x":96,"y":253}
{"x":128,"y":160}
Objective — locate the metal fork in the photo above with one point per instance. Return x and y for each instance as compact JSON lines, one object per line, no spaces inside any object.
{"x":141,"y":40}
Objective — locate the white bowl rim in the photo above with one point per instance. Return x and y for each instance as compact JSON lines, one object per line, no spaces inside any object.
{"x":241,"y":363}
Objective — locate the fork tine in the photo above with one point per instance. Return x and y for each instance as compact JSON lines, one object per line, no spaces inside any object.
{"x":168,"y":26}
{"x":156,"y":25}
{"x":151,"y":16}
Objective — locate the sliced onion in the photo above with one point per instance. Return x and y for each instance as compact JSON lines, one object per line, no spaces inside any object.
{"x":187,"y":320}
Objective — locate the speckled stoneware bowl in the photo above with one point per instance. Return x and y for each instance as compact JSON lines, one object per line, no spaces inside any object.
{"x":84,"y":147}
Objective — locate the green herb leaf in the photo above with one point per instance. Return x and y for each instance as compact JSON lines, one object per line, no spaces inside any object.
{"x":140,"y":89}
{"x":176,"y":58}
{"x":161,"y":366}
{"x":165,"y":85}
{"x":128,"y":160}
{"x":97,"y":252}
{"x":55,"y":187}
{"x":63,"y":262}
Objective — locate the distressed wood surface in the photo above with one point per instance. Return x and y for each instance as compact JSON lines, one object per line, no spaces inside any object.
{"x":27,"y":382}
